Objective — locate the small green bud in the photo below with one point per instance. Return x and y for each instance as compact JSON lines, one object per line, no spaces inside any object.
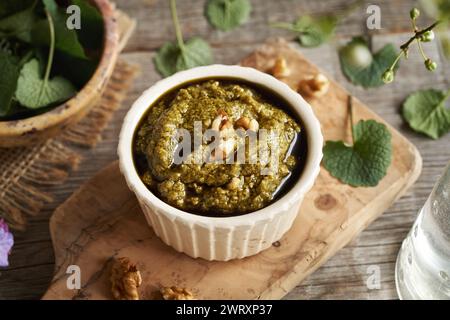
{"x":414,"y":13}
{"x":388,"y":76}
{"x":427,"y":36}
{"x":430,"y":65}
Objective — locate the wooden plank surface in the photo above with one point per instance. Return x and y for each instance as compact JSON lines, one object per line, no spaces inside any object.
{"x":345,"y":275}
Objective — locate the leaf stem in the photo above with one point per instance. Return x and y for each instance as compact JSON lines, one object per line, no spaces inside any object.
{"x":51,"y":53}
{"x":227,"y":9}
{"x":52,"y":46}
{"x":176,"y":24}
{"x":350,"y":111}
{"x":283,"y":25}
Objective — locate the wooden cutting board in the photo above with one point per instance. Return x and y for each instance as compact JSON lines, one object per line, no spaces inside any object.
{"x":102,"y":219}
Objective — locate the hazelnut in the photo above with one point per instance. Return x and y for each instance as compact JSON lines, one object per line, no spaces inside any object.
{"x":280,"y":68}
{"x":315,"y":86}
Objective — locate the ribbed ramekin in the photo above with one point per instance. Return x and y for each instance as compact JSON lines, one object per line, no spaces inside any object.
{"x":227,"y":238}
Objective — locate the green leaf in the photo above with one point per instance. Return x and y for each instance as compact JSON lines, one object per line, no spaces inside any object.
{"x":66,"y":40}
{"x":366,"y":162}
{"x":78,"y":71}
{"x":171,"y":58}
{"x":10,"y":7}
{"x":311,"y":31}
{"x":371,"y":75}
{"x":315,"y":31}
{"x":33,"y":92}
{"x":425,"y":112}
{"x":227,"y":14}
{"x":9,"y":69}
{"x":91,"y":32}
{"x":19,"y":23}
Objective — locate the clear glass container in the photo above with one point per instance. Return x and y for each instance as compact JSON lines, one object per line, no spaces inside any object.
{"x":423,"y":264}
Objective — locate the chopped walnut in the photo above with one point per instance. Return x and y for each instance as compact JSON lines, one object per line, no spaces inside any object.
{"x":254,"y":125}
{"x":175,"y":293}
{"x":280,"y":68}
{"x":224,"y":149}
{"x":217,"y":123}
{"x":315,"y":86}
{"x":125,"y":279}
{"x":247,"y":124}
{"x":227,"y":142}
{"x":220,"y":121}
{"x":235,"y":183}
{"x":243,"y":122}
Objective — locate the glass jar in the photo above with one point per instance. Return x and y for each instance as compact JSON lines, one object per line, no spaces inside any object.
{"x":423,"y":264}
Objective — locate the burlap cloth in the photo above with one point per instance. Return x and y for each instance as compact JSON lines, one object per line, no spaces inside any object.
{"x":24,"y":172}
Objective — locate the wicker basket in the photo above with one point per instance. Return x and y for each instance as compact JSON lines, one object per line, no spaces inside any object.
{"x":32,"y":130}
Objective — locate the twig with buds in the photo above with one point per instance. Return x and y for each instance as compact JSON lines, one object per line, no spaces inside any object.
{"x":420,"y":35}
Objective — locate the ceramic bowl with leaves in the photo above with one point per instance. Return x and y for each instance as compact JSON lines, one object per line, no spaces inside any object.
{"x":55,"y":58}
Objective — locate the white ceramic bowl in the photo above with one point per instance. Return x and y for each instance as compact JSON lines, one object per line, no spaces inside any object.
{"x":226,"y":238}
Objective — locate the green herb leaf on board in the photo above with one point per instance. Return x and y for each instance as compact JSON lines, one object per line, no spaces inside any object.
{"x":315,"y":31}
{"x":370,"y":75}
{"x":311,"y":31}
{"x":227,"y":14}
{"x":171,"y":58}
{"x":425,"y":112}
{"x":366,"y":162}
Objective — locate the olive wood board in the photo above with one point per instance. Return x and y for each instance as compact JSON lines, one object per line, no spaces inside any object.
{"x":103,"y":220}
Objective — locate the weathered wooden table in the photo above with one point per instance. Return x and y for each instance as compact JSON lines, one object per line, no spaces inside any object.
{"x":344,"y":276}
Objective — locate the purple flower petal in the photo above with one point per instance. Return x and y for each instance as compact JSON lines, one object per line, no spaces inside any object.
{"x":6,"y":243}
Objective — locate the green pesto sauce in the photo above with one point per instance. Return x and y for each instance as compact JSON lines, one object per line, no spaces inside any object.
{"x":205,"y":189}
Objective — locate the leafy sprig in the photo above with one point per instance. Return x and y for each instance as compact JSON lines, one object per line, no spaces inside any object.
{"x":420,"y":35}
{"x":227,"y":14}
{"x":173,"y":57}
{"x":426,"y":113}
{"x":41,"y":60}
{"x":361,"y":66}
{"x":314,"y":31}
{"x":311,"y":31}
{"x":32,"y":91}
{"x":364,"y":163}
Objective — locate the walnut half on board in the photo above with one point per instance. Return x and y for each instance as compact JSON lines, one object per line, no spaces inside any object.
{"x":175,"y":293}
{"x":125,"y":279}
